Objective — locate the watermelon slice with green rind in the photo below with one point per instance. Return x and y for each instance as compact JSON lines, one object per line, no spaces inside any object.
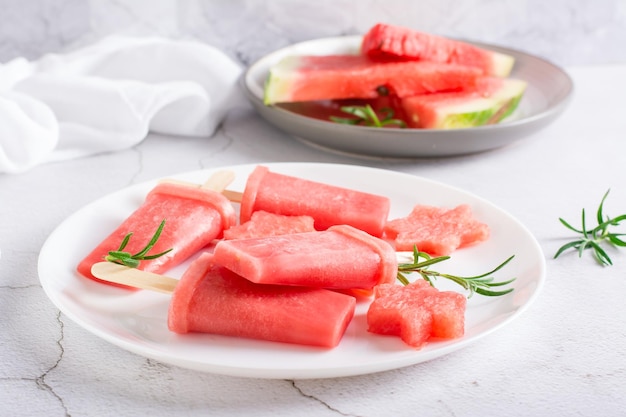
{"x":330,"y":77}
{"x":492,"y":100}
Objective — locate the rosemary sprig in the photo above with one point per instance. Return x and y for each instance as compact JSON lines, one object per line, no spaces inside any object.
{"x":595,"y":237}
{"x":126,"y":258}
{"x":481,"y":284}
{"x":366,"y":116}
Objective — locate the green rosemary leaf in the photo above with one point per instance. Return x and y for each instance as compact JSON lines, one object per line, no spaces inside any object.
{"x":125,"y":241}
{"x":566,"y":247}
{"x":600,"y":253}
{"x":125,"y":258}
{"x":403,"y":280}
{"x":152,"y":241}
{"x":480,"y":284}
{"x":599,"y":215}
{"x":614,"y":239}
{"x":366,"y":116}
{"x":593,"y":239}
{"x":490,"y":293}
{"x":569,"y":226}
{"x":119,"y":253}
{"x":584,"y":223}
{"x":371,"y":115}
{"x":130,"y":262}
{"x":158,"y":255}
{"x":345,"y":121}
{"x":399,"y":123}
{"x":502,"y":283}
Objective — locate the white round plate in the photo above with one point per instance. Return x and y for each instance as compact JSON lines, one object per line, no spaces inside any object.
{"x":547,"y":94}
{"x":137,"y":320}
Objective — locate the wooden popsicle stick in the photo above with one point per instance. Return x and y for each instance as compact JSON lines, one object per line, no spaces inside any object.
{"x":132,"y":277}
{"x":234,"y":196}
{"x":219,"y":181}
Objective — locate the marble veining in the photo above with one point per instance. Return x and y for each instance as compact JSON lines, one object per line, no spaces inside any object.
{"x":566,"y":32}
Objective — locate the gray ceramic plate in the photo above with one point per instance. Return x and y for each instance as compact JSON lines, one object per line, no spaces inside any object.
{"x":548,"y":92}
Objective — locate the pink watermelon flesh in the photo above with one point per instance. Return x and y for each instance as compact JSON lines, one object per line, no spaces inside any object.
{"x":341,"y":257}
{"x":416,"y":313}
{"x":435,"y":230}
{"x":212,"y":299}
{"x":328,"y":205}
{"x":328,"y":77}
{"x":194,"y":217}
{"x":263,"y":224}
{"x":386,"y":42}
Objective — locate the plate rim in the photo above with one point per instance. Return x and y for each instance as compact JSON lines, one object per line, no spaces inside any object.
{"x":534,"y":120}
{"x":292,"y":373}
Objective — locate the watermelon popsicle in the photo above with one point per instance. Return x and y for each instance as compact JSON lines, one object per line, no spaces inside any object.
{"x":194,"y":215}
{"x":341,"y":257}
{"x":211,"y":299}
{"x":328,"y":204}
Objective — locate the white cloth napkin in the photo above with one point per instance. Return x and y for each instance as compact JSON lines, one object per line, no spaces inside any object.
{"x":108,"y":96}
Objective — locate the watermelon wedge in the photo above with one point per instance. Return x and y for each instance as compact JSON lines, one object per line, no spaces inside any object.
{"x":328,"y":77}
{"x":492,"y":100}
{"x":386,"y":42}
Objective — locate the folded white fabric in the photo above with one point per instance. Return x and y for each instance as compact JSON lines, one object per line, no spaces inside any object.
{"x":108,"y":96}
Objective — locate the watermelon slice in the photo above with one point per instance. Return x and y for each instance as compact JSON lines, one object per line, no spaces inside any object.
{"x":417,"y":313}
{"x":263,"y":224}
{"x":435,"y":230}
{"x":328,"y":77}
{"x":386,"y":42}
{"x":492,"y":100}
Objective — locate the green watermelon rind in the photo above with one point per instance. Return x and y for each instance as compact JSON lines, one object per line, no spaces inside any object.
{"x":279,"y":81}
{"x":461,"y":120}
{"x":502,"y":64}
{"x":482,"y":110}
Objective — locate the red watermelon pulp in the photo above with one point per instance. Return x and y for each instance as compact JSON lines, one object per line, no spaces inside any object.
{"x":416,"y":313}
{"x":386,"y":43}
{"x":307,"y":78}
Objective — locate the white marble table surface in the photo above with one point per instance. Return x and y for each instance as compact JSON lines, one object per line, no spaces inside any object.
{"x":565,"y":356}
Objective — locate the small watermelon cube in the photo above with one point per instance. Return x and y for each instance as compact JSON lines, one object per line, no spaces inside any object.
{"x":416,"y":313}
{"x":436,"y":230}
{"x":264,"y":224}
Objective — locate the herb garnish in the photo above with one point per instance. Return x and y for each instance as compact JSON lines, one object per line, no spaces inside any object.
{"x":480,"y":284}
{"x":366,"y":116}
{"x":593,"y":238}
{"x":126,"y":258}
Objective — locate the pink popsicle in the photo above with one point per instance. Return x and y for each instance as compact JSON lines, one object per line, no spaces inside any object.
{"x":211,"y":299}
{"x":341,"y":257}
{"x":327,"y":204}
{"x":194,"y":217}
